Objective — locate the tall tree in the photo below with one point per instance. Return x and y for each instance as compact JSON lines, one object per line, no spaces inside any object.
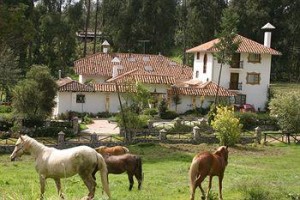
{"x":203,"y":20}
{"x":228,"y":43}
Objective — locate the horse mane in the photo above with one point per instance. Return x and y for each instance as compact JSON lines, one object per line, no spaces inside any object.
{"x":32,"y":142}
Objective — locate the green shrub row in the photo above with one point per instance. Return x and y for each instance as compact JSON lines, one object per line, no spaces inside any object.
{"x":252,"y":120}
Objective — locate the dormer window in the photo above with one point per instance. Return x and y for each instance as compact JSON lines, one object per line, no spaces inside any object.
{"x":204,"y":63}
{"x":254,"y":58}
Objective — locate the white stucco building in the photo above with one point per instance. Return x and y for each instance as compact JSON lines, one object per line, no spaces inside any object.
{"x":249,"y":74}
{"x":103,"y":74}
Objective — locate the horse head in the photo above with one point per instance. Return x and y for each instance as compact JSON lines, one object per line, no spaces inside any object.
{"x":223,"y":152}
{"x":21,"y":147}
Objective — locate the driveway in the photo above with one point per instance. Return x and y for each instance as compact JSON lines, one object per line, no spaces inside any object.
{"x":102,"y":127}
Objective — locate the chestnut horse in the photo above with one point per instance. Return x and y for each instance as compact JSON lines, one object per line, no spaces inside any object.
{"x":116,"y":150}
{"x":56,"y":164}
{"x":130,"y":163}
{"x":208,"y":164}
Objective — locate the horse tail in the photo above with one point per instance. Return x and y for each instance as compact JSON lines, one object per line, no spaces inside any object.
{"x":193,"y":174}
{"x":104,"y":174}
{"x":126,"y":150}
{"x":139,"y":168}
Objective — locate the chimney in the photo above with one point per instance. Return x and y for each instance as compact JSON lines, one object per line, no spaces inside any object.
{"x":105,"y":46}
{"x":116,"y":65}
{"x":59,"y":74}
{"x":267,"y":39}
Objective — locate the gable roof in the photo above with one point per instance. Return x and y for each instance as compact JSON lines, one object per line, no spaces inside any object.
{"x":246,"y":46}
{"x":149,"y":67}
{"x":75,"y":86}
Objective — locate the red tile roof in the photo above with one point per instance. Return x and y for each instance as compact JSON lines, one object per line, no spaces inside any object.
{"x":157,"y":65}
{"x":74,"y":86}
{"x":246,"y":46}
{"x":206,"y":89}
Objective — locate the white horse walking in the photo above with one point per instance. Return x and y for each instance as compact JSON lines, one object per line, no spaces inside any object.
{"x":57,"y":164}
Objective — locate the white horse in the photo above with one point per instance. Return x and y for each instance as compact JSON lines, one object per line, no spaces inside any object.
{"x":57,"y":164}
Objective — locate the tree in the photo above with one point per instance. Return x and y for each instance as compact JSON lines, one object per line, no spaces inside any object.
{"x":228,"y":43}
{"x":9,"y":71}
{"x":286,"y":108}
{"x":227,"y":126}
{"x":33,"y":97}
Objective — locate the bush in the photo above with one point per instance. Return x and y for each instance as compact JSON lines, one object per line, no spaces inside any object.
{"x":50,"y":132}
{"x":182,"y":128}
{"x":227,"y":126}
{"x":168,"y":115}
{"x":287,"y":110}
{"x":255,"y":191}
{"x":104,"y":114}
{"x":197,"y":111}
{"x":150,"y":111}
{"x":5,"y":109}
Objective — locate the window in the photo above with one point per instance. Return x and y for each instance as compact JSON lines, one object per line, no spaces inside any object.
{"x":80,"y":98}
{"x":253,"y":78}
{"x":254,"y":58}
{"x":204,"y":63}
{"x":197,"y":74}
{"x":198,"y":55}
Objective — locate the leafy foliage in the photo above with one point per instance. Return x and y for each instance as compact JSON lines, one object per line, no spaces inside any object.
{"x":33,"y":97}
{"x":227,"y":126}
{"x":286,"y":108}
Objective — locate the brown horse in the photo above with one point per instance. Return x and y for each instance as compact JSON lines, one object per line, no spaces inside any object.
{"x":116,"y":150}
{"x":208,"y":164}
{"x":132,"y":164}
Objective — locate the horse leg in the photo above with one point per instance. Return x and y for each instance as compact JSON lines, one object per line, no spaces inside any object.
{"x":131,"y":181}
{"x":90,"y":183}
{"x":199,"y":180}
{"x":220,"y":187}
{"x":58,"y":187}
{"x":139,"y":177}
{"x":193,"y":188}
{"x":42,"y":183}
{"x":209,"y":187}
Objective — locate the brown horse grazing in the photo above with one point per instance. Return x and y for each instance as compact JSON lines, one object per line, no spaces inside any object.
{"x":132,"y":164}
{"x":116,"y":150}
{"x":208,"y":164}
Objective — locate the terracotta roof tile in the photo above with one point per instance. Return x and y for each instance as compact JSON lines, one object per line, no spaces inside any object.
{"x":100,"y":64}
{"x":74,"y":86}
{"x":246,"y":46}
{"x":206,"y":89}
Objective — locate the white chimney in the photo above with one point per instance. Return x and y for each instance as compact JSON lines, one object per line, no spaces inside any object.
{"x":105,"y":46}
{"x":116,"y":65}
{"x":267,"y":39}
{"x":59,"y":74}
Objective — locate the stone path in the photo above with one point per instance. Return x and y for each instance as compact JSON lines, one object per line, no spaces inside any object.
{"x":102,"y":127}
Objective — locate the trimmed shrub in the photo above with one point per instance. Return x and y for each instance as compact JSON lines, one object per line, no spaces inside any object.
{"x":168,"y":115}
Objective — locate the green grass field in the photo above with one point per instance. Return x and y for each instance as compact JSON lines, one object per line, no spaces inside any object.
{"x":260,"y":172}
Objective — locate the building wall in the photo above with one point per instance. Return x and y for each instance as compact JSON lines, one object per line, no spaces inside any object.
{"x":256,"y":94}
{"x":190,"y":103}
{"x":84,"y":78}
{"x":198,"y":66}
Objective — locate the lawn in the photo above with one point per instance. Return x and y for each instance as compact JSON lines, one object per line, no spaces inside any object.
{"x":253,"y":172}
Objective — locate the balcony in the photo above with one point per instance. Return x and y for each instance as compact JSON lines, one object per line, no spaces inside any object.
{"x":237,"y":65}
{"x":235,"y":85}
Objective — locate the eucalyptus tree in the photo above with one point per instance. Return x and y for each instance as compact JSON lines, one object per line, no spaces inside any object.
{"x":228,"y":43}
